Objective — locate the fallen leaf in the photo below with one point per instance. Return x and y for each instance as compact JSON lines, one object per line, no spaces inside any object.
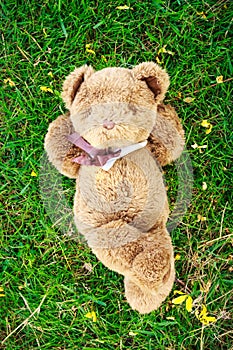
{"x":208,"y":319}
{"x":9,"y":82}
{"x":170,"y":318}
{"x":209,"y":130}
{"x":201,"y":218}
{"x":89,"y":50}
{"x":124,"y":7}
{"x":33,"y":173}
{"x":207,"y":125}
{"x":179,"y":300}
{"x":195,"y":145}
{"x":158,"y":60}
{"x":46,"y":89}
{"x":177,"y":257}
{"x":189,"y":303}
{"x":189,"y":99}
{"x":50,"y":74}
{"x":201,"y":14}
{"x":164,"y":50}
{"x":132,"y":334}
{"x":203,"y":316}
{"x":2,"y":290}
{"x":204,"y":186}
{"x":104,"y":58}
{"x":91,"y":315}
{"x":178,"y":292}
{"x":219,"y":79}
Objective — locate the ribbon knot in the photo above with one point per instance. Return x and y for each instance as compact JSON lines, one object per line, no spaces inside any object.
{"x":93,"y":155}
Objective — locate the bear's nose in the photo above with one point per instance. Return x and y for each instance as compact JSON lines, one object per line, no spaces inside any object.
{"x":108,"y":124}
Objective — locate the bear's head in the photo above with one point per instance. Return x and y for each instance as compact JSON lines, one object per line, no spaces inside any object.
{"x":115,"y":107}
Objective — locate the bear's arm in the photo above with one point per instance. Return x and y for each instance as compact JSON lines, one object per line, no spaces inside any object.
{"x":166,"y":141}
{"x":61,"y":151}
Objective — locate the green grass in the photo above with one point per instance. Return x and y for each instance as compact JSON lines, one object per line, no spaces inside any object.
{"x":42,"y":265}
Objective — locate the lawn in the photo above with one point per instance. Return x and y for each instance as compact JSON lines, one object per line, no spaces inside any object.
{"x":52,"y":287}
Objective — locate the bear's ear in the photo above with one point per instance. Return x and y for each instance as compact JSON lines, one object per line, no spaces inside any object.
{"x":73,"y":82}
{"x":155,"y":78}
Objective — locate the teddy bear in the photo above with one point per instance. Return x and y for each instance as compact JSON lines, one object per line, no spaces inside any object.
{"x":114,"y":139}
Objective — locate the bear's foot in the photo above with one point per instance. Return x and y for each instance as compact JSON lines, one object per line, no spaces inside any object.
{"x":143,"y":300}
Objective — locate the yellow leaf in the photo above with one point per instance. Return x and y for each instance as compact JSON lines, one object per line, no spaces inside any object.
{"x":9,"y":82}
{"x":170,"y":318}
{"x":178,"y":292}
{"x":201,"y":14}
{"x":46,"y":89}
{"x":189,"y":304}
{"x":204,"y":186}
{"x":203,"y":311}
{"x":33,"y":173}
{"x":177,"y":257}
{"x":158,"y":60}
{"x":201,"y":218}
{"x":104,"y":58}
{"x":94,"y":318}
{"x":164,"y":50}
{"x":2,"y":295}
{"x":203,"y":318}
{"x":89,"y":50}
{"x":179,"y":300}
{"x":209,"y":130}
{"x":208,"y":319}
{"x":219,"y":79}
{"x":205,"y":123}
{"x":1,"y":289}
{"x":50,"y":74}
{"x":189,"y":99}
{"x":170,"y":52}
{"x":91,"y":315}
{"x":125,"y":7}
{"x":132,"y":334}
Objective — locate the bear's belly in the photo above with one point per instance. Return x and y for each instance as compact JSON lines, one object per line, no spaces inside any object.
{"x":132,"y":192}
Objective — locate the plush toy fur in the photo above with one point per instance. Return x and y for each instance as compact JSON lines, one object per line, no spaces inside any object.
{"x":122,"y":212}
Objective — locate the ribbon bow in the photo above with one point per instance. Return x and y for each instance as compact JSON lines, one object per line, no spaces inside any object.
{"x":93,"y":156}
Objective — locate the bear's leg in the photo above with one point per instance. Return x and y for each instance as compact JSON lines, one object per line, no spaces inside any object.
{"x":148,"y":267}
{"x":152,"y":273}
{"x":145,"y":301}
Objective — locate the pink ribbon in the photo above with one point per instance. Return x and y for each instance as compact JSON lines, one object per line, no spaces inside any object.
{"x":93,"y":156}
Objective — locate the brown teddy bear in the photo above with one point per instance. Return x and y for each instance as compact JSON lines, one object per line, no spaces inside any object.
{"x":113,"y":141}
